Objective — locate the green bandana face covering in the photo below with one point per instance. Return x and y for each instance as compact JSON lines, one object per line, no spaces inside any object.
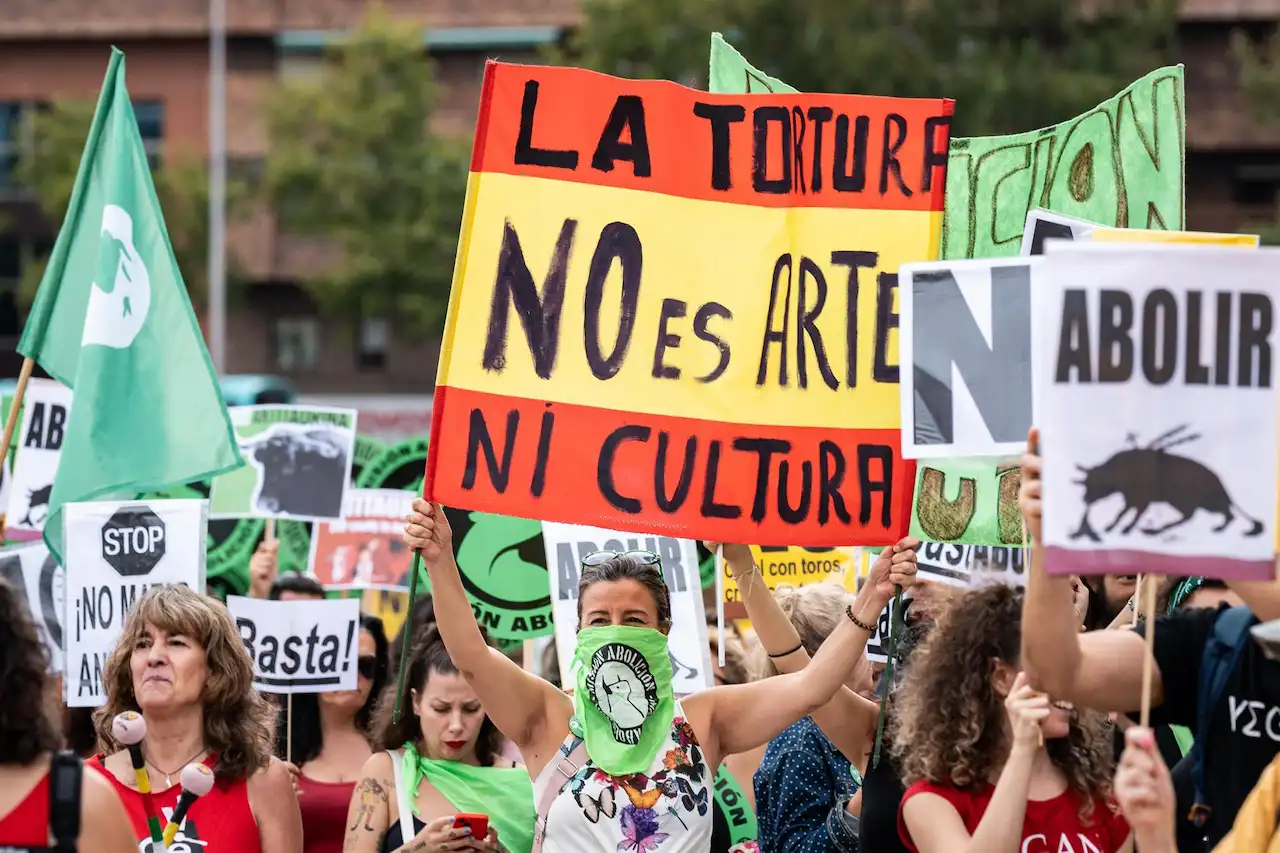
{"x":622,"y":697}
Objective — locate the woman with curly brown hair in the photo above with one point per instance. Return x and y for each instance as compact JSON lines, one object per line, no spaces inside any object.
{"x":991,"y":765}
{"x":30,"y":802}
{"x":181,"y":664}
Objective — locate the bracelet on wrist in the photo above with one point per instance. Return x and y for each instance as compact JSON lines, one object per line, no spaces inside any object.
{"x":848,"y":611}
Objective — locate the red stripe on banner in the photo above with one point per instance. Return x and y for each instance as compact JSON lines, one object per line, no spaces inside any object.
{"x":683,"y":477}
{"x":790,"y":150}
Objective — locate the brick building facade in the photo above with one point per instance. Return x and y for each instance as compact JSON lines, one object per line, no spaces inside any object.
{"x":59,"y":48}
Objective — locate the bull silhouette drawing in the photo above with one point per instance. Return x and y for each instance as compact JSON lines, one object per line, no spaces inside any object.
{"x":301,"y":472}
{"x":1145,"y":476}
{"x":37,"y":498}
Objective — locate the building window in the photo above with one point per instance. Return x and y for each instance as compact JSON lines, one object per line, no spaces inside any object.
{"x":1257,"y":185}
{"x":375,"y":344}
{"x":17,"y":134}
{"x":150,"y":117}
{"x":297,"y":344}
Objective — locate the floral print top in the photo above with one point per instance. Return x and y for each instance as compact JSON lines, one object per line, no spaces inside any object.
{"x":666,"y":809}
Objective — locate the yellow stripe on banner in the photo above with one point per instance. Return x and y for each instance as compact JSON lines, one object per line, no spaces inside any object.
{"x":1205,"y":238}
{"x":694,"y":253}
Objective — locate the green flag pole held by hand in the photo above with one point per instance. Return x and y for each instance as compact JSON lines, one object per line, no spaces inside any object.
{"x":414,"y":568}
{"x":891,"y":651}
{"x":112,"y":321}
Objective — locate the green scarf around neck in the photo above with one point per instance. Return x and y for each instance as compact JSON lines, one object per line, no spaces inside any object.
{"x":505,"y":794}
{"x":623,"y":701}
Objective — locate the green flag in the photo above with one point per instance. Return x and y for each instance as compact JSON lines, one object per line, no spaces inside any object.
{"x":112,"y":321}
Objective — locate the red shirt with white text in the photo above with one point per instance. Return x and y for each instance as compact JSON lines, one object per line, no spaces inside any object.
{"x":1051,"y":826}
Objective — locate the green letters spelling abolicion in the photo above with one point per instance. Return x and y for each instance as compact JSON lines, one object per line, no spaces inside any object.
{"x":1121,"y":164}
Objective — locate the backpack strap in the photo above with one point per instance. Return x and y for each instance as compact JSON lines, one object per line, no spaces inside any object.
{"x":572,"y":756}
{"x":1222,"y":654}
{"x":66,"y":777}
{"x":403,"y":804}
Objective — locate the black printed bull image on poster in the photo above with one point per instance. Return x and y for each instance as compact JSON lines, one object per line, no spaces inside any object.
{"x":1150,"y":475}
{"x":301,"y":471}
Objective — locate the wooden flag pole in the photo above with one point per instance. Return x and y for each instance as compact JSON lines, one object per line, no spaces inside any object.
{"x":11,"y":423}
{"x":1148,"y":661}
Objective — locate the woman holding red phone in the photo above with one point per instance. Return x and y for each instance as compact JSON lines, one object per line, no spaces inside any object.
{"x":441,"y":784}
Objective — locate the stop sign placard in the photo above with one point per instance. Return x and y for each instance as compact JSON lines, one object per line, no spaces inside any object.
{"x":133,"y":540}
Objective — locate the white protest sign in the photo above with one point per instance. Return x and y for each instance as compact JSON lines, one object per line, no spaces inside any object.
{"x":116,"y":551}
{"x":33,"y":571}
{"x":878,"y":644}
{"x":1157,"y":409}
{"x":943,"y":562}
{"x":1046,"y":225}
{"x":300,"y":646}
{"x":689,"y":648}
{"x":988,"y":565}
{"x":965,"y":350}
{"x":39,"y":441}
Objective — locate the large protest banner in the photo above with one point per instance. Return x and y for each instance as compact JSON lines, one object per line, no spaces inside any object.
{"x":729,"y":303}
{"x":298,"y":463}
{"x":793,"y":566}
{"x":115,"y":551}
{"x":33,"y":571}
{"x":45,"y":410}
{"x":1120,"y":164}
{"x":690,"y":652}
{"x":300,"y":646}
{"x":1176,"y":345}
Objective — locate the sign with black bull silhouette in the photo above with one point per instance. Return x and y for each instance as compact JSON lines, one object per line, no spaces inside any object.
{"x":1157,"y":407}
{"x":297,"y":463}
{"x":39,"y":442}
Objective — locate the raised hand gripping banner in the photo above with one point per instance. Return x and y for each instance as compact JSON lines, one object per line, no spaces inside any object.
{"x":673,"y":311}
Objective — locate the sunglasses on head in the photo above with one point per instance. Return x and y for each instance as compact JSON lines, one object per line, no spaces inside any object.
{"x":644,"y":558}
{"x":367,"y":666}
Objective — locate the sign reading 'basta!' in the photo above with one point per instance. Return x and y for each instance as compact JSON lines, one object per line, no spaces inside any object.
{"x":673,"y":311}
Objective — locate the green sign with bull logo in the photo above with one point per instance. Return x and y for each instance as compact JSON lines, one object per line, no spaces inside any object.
{"x":502,"y":560}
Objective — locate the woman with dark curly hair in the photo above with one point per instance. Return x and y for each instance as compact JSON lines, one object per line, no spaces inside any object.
{"x":991,"y":765}
{"x":181,"y":664}
{"x":28,"y":740}
{"x":442,"y":758}
{"x":330,"y":742}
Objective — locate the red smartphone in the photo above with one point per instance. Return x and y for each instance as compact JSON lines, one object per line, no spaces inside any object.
{"x":479,"y":824}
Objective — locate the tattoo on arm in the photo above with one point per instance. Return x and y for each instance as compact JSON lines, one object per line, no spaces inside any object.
{"x":369,"y":794}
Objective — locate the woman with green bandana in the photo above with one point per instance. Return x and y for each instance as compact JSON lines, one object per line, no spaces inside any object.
{"x":622,"y":766}
{"x":442,"y":759}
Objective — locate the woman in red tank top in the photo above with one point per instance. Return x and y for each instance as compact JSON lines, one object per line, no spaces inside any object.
{"x":28,"y":736}
{"x":180,"y":662}
{"x":331,"y":743}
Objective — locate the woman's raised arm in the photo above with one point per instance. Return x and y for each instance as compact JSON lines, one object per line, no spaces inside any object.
{"x":848,"y":720}
{"x":744,"y":716}
{"x":520,"y":704}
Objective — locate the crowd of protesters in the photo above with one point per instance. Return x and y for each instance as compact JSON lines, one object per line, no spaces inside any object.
{"x":1003,"y":724}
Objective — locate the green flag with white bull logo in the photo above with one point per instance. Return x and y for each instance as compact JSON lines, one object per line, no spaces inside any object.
{"x":112,"y":321}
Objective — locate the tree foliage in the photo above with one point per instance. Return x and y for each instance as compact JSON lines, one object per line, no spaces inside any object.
{"x":353,"y":161}
{"x":1010,"y":65}
{"x":1259,"y":67}
{"x":182,"y":186}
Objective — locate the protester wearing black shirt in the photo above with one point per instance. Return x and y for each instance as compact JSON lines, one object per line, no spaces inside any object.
{"x":1244,"y":730}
